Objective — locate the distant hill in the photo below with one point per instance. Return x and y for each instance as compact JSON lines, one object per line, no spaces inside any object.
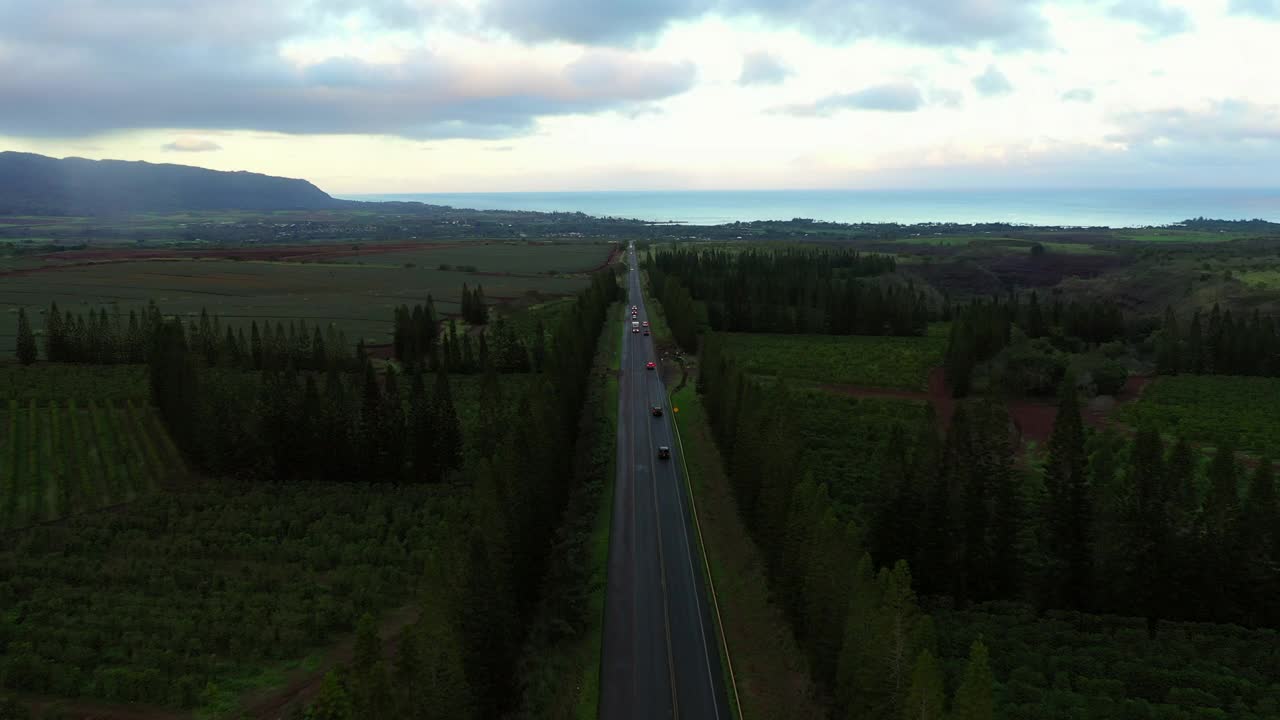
{"x":38,"y":185}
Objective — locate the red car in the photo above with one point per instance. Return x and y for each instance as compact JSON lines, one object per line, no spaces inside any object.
{"x":649,"y":365}
{"x":645,"y":323}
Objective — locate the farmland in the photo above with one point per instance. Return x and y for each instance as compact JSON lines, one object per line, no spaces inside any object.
{"x":1112,"y":667}
{"x":888,"y":362}
{"x":357,"y":299}
{"x":61,"y":457}
{"x":202,"y":595}
{"x":1213,"y":409}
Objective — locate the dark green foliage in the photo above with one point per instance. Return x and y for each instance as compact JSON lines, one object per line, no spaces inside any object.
{"x":1225,"y":345}
{"x":1068,"y":514}
{"x":26,"y":352}
{"x":190,"y":590}
{"x":792,"y":290}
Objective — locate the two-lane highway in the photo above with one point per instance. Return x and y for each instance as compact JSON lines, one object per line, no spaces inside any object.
{"x":660,"y":658}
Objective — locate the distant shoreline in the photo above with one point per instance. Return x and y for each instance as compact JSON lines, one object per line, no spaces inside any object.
{"x":1117,"y":209}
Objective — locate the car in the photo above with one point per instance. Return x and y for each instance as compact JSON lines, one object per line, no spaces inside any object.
{"x":646,"y":332}
{"x":664,"y":452}
{"x":650,"y":365}
{"x":645,"y":323}
{"x":635,"y":330}
{"x":656,"y":410}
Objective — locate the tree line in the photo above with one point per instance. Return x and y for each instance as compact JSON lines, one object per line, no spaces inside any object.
{"x":1220,"y":344}
{"x":790,"y":290}
{"x":519,"y":466}
{"x":868,"y":641}
{"x":981,"y":328}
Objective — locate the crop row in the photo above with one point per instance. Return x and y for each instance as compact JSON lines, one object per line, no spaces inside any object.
{"x":68,"y":456}
{"x":888,"y":362}
{"x":180,"y":594}
{"x":1213,"y":409}
{"x":1080,"y":665}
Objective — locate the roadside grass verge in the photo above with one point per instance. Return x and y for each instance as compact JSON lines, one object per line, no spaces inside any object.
{"x":770,"y":671}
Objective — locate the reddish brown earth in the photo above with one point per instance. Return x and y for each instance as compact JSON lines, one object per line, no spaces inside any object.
{"x":1032,"y":418}
{"x":279,"y":253}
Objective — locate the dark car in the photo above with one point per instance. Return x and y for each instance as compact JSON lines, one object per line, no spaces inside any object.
{"x":656,"y":410}
{"x":664,"y":452}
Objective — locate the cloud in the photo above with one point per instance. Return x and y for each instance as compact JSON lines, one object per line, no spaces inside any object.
{"x":946,"y":97}
{"x":992,"y":82}
{"x":888,"y":97}
{"x":1157,"y":16}
{"x":1261,"y":8}
{"x":190,"y":144}
{"x":1224,"y":121}
{"x":1007,"y":23}
{"x":1078,"y":95}
{"x":76,"y":68}
{"x":500,"y":148}
{"x":762,"y":68}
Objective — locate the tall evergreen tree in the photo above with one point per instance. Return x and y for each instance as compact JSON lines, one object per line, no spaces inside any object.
{"x":925,"y":698}
{"x":973,"y":699}
{"x":1068,"y":516}
{"x":26,"y":352}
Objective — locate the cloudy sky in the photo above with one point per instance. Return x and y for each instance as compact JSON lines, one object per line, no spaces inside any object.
{"x":488,"y":95}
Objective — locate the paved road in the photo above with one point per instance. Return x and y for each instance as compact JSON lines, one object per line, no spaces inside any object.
{"x":660,"y":652}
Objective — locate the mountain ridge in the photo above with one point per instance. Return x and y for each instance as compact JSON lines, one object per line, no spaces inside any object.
{"x":32,"y":184}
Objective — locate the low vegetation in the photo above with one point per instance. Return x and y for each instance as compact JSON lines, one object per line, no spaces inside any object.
{"x":1213,"y":409}
{"x":884,"y":362}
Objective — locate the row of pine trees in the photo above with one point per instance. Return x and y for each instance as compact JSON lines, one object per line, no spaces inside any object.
{"x":1220,"y":344}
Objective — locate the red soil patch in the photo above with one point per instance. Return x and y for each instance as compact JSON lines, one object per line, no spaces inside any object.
{"x":279,"y":253}
{"x":1032,"y":418}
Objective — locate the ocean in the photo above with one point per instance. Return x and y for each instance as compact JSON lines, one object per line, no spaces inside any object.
{"x":1113,"y":208}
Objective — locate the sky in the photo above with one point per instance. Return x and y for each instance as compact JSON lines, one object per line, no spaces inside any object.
{"x":388,"y":96}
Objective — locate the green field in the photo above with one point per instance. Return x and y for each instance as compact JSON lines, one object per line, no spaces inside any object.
{"x":888,"y":362}
{"x":358,"y":300}
{"x":1213,"y":409}
{"x":511,"y":257}
{"x":190,"y":599}
{"x":60,"y":457}
{"x":1104,"y":666}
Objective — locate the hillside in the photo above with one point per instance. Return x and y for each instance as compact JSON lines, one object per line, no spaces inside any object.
{"x":38,"y":185}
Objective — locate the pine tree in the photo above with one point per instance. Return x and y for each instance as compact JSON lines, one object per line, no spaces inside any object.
{"x":1169,"y":351}
{"x":1070,"y":506}
{"x":26,"y":339}
{"x":973,"y":699}
{"x":255,"y":345}
{"x":925,"y":698}
{"x":448,"y":429}
{"x":55,"y":341}
{"x":332,"y":702}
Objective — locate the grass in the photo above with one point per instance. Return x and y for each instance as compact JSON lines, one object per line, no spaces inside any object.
{"x":588,"y":704}
{"x":1212,"y":409}
{"x":770,"y":670}
{"x":888,"y":362}
{"x":1264,"y":279}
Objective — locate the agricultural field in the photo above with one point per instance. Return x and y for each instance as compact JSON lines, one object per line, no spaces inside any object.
{"x":191,"y":599}
{"x":511,"y":257}
{"x":68,"y":456}
{"x":844,"y":438}
{"x":887,"y":362}
{"x":358,"y":300}
{"x":1213,"y":409}
{"x":1100,"y":666}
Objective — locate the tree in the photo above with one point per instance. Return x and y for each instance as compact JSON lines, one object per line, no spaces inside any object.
{"x":973,"y":698}
{"x":332,"y":702}
{"x":1068,"y":513}
{"x":447,"y":429}
{"x":26,"y":340}
{"x":925,"y":699}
